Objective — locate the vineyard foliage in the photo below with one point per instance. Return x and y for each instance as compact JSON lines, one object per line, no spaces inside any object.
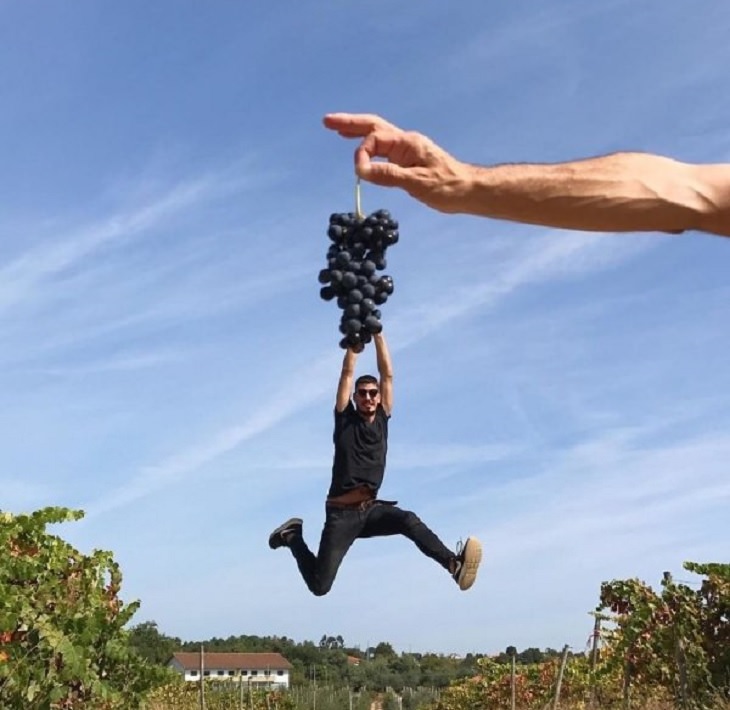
{"x":62,"y":637}
{"x":671,"y":646}
{"x":64,"y":645}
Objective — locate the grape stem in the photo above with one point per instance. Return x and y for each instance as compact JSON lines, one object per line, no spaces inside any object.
{"x":358,"y":204}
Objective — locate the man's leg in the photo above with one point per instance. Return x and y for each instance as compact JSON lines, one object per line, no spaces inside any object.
{"x":341,"y":529}
{"x":391,"y":520}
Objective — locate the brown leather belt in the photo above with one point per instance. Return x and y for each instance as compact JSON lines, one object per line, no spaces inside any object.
{"x":360,"y":499}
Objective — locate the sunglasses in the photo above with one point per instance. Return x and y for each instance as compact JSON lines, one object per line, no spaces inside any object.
{"x":372,"y":394}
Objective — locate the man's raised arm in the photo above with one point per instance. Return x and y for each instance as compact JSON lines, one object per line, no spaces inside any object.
{"x":344,"y":388}
{"x":385,"y":370}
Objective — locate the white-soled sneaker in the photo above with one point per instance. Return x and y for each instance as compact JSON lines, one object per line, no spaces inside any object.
{"x":468,"y":558}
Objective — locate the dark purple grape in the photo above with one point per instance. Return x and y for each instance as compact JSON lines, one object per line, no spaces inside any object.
{"x":367,"y":267}
{"x":352,"y":310}
{"x":327,"y":293}
{"x":344,"y":258}
{"x":354,"y":296}
{"x":386,"y":284}
{"x":324,"y":276}
{"x":349,"y":280}
{"x":368,"y":290}
{"x":367,"y":305}
{"x":373,"y":324}
{"x":391,"y":238}
{"x":353,"y":325}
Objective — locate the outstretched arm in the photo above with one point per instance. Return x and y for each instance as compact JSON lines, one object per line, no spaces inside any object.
{"x":385,"y":370}
{"x":344,"y":388}
{"x":623,"y":192}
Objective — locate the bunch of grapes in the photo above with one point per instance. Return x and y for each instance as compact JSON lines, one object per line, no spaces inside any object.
{"x":354,"y":258}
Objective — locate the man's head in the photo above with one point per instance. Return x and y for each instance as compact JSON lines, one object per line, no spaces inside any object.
{"x":367,"y":394}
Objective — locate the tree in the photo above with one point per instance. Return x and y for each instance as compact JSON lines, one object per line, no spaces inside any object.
{"x":384,"y":650}
{"x":146,"y":640}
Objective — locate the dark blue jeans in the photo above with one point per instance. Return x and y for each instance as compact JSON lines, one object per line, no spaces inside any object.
{"x":345,"y":525}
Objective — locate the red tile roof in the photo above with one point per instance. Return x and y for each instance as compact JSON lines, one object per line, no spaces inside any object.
{"x":233,"y":661}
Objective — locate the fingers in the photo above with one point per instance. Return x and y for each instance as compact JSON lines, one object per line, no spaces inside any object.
{"x":381,"y":139}
{"x":382,"y":144}
{"x":385,"y":174}
{"x":356,"y":125}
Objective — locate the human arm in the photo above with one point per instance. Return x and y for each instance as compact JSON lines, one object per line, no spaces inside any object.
{"x":347,"y":375}
{"x":622,"y":192}
{"x":385,"y":372}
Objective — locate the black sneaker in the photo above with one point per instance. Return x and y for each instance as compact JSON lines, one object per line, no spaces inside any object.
{"x":280,"y":536}
{"x":466,"y":562}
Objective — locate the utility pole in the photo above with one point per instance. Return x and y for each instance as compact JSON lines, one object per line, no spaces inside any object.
{"x":202,"y":684}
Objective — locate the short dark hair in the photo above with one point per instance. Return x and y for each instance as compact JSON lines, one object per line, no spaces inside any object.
{"x":366,"y":380}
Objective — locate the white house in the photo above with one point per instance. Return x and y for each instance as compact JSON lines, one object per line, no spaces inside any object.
{"x":270,"y":670}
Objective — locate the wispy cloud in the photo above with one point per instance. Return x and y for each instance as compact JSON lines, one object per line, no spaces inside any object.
{"x":552,"y":256}
{"x":21,"y":277}
{"x":122,"y":363}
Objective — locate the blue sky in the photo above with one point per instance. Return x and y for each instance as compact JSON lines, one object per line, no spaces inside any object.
{"x":168,"y":367}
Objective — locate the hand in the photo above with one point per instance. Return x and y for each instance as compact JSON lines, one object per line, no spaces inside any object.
{"x":356,"y":349}
{"x":413,"y":161}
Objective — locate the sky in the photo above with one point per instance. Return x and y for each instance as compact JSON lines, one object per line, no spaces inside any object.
{"x":167,"y":365}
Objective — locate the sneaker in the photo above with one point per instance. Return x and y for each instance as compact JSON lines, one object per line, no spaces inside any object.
{"x":280,"y":536}
{"x":468,"y":557}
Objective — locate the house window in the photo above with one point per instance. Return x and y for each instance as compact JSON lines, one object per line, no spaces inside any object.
{"x":244,"y":672}
{"x":254,"y":672}
{"x":221,"y":672}
{"x":279,"y":672}
{"x":193,"y":672}
{"x":206,"y":672}
{"x":231,"y":672}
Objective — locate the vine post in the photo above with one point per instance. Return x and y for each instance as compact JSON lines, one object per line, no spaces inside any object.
{"x":594,"y":659}
{"x":559,"y":682}
{"x":627,"y":686}
{"x":513,"y":699}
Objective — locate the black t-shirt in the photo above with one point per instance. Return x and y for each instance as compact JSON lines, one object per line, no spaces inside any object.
{"x":360,"y":450}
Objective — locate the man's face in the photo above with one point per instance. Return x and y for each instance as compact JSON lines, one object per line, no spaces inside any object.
{"x":367,"y":397}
